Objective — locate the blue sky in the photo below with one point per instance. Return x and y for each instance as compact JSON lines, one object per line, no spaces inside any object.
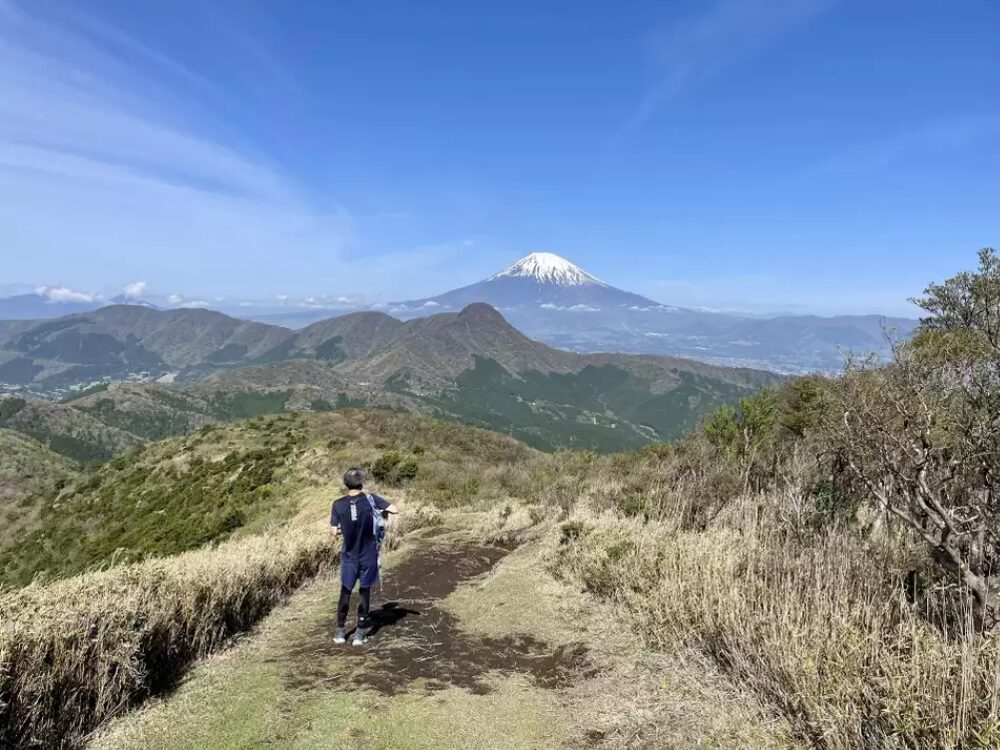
{"x":816,"y":155}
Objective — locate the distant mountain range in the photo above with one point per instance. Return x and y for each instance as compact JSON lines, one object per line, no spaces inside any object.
{"x":471,"y":365}
{"x":35,"y":306}
{"x":120,"y":340}
{"x":552,"y":300}
{"x":38,"y":307}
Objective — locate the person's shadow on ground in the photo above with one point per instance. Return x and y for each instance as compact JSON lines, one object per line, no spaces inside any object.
{"x":387,"y":615}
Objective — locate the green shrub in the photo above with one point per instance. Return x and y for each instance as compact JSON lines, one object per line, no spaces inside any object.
{"x":392,"y":467}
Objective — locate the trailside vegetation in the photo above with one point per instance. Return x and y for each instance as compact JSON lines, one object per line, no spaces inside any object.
{"x":76,"y":652}
{"x":832,"y":543}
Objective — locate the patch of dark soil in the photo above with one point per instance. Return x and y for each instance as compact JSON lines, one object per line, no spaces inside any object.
{"x":435,"y":573}
{"x":413,"y":639}
{"x":595,"y":736}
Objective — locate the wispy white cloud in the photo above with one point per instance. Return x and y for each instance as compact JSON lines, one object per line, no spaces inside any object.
{"x":571,"y":308}
{"x":98,"y":170}
{"x":940,"y":137}
{"x":690,"y":50}
{"x":112,"y":161}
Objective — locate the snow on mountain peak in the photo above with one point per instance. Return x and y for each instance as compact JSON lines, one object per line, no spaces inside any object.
{"x":548,"y":268}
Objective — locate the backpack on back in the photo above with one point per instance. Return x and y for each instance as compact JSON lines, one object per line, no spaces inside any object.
{"x":378,"y":522}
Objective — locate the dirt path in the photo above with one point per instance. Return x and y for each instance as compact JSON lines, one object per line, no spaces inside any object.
{"x":475,"y":646}
{"x":416,"y":641}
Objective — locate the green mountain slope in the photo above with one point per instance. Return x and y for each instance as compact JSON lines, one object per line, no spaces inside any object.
{"x":29,"y":474}
{"x":148,"y":410}
{"x":470,"y":366}
{"x":120,"y":340}
{"x":65,"y":430}
{"x":474,"y":367}
{"x":238,"y":478}
{"x":601,"y":407}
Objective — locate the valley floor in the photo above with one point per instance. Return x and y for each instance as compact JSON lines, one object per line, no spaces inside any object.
{"x":477,"y":646}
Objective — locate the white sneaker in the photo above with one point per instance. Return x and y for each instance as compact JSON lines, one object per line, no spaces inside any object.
{"x":359,"y":637}
{"x":339,"y":636}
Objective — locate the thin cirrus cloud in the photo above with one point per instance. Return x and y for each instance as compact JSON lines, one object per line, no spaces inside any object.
{"x":99,"y":170}
{"x":690,"y":50}
{"x":940,"y":137}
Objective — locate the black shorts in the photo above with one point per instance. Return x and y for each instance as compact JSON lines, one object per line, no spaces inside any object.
{"x":364,"y":570}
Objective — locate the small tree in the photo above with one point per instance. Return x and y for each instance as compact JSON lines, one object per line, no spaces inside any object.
{"x":921,"y":435}
{"x":745,"y":435}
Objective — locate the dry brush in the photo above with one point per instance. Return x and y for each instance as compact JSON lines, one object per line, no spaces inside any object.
{"x":76,"y":652}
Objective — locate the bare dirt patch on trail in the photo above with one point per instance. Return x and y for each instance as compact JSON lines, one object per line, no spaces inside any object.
{"x":415,"y":641}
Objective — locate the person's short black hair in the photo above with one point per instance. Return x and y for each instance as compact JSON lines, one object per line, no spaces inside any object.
{"x":354,"y":479}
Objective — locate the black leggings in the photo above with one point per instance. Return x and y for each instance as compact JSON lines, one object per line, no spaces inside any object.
{"x":363,"y":606}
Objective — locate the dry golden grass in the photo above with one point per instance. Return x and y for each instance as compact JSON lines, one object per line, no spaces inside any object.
{"x":76,"y":652}
{"x":817,"y":625}
{"x":633,"y":696}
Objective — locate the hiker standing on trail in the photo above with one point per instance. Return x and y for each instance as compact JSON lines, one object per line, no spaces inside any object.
{"x":358,"y":517}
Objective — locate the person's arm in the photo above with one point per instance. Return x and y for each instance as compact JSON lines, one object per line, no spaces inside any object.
{"x":385,"y":506}
{"x":334,"y":522}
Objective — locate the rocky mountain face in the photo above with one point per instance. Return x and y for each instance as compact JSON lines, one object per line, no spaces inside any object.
{"x":554,"y":301}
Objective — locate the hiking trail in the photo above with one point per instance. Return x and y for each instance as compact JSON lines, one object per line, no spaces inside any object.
{"x":474,"y":645}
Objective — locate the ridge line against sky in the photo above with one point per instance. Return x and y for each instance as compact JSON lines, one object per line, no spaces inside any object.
{"x":809,"y":155}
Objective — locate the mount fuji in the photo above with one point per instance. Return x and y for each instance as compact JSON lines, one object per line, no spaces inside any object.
{"x":552,"y":300}
{"x":541,"y":281}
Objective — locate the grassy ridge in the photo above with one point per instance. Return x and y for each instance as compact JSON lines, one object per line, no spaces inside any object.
{"x":64,"y":430}
{"x":78,"y":651}
{"x":29,"y":473}
{"x":236,"y":479}
{"x":159,"y":500}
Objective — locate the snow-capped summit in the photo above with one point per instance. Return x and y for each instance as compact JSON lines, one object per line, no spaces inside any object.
{"x":548,"y":268}
{"x":544,"y":284}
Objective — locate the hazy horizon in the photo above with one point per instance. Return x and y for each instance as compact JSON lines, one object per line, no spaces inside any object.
{"x":140,"y":291}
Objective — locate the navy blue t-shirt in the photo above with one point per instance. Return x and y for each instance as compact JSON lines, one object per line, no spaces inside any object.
{"x":353,"y":515}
